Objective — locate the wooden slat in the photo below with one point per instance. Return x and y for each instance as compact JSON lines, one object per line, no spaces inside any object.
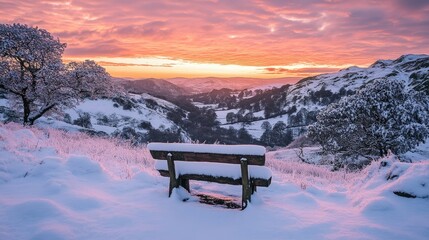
{"x":209,"y":157}
{"x":223,"y":180}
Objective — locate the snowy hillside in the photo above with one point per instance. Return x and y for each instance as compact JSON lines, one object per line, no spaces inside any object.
{"x":57,"y":185}
{"x":138,"y":113}
{"x":353,"y":78}
{"x":124,"y":115}
{"x":297,"y":105}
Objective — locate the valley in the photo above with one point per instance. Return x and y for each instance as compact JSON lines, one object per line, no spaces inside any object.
{"x":158,"y":110}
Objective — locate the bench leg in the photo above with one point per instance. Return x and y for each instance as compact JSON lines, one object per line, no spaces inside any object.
{"x":253,"y":187}
{"x":171,"y":187}
{"x":174,"y":183}
{"x":245,"y":183}
{"x":185,"y":184}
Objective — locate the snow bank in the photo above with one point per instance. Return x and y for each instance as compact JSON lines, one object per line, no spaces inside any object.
{"x":390,"y":176}
{"x":412,"y":180}
{"x":82,"y":165}
{"x":209,"y":148}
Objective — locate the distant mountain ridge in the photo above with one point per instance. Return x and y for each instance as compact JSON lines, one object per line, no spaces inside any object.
{"x":155,"y":87}
{"x":203,"y":85}
{"x":174,"y":87}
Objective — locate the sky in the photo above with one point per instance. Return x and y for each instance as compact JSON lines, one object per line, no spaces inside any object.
{"x":228,"y":38}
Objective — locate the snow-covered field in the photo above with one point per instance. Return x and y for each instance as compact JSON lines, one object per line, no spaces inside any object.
{"x":56,"y":185}
{"x":105,"y":107}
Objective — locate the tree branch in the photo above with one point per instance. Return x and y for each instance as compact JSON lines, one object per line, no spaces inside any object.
{"x":39,"y":114}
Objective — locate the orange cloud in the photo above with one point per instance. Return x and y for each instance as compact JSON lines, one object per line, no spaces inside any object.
{"x":299,"y":71}
{"x":115,"y":64}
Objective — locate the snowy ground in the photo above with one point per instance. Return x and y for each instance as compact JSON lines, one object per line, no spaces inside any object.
{"x":70,"y":186}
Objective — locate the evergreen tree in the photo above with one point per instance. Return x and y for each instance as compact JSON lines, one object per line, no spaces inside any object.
{"x":266,"y":126}
{"x":244,"y":135}
{"x":231,"y":117}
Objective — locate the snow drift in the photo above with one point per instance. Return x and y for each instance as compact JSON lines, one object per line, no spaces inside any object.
{"x":57,"y":185}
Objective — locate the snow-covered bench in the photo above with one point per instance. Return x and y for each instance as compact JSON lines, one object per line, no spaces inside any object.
{"x":227,"y":164}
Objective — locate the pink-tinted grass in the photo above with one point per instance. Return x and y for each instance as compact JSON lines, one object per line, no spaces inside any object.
{"x":290,"y":168}
{"x":119,"y":158}
{"x":122,"y":160}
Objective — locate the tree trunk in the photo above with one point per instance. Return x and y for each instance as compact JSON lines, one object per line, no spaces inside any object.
{"x":27,"y":110}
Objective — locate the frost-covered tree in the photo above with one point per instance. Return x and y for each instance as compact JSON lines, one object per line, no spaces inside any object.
{"x":34,"y":76}
{"x":385,"y":115}
{"x":231,"y":117}
{"x":279,"y":135}
{"x":266,"y":135}
{"x":266,"y":126}
{"x":84,"y":120}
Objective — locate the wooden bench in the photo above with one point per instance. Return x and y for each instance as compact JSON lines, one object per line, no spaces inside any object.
{"x":226,"y":164}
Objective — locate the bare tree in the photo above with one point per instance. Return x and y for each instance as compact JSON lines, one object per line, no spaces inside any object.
{"x":32,"y":72}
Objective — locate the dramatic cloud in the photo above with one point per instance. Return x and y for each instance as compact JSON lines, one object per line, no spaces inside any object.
{"x":257,"y":33}
{"x":273,"y":70}
{"x":115,"y":64}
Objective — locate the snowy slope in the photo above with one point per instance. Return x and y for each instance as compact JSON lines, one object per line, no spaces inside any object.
{"x":353,"y":78}
{"x":55,"y":185}
{"x":307,"y":94}
{"x":109,"y":115}
{"x":105,"y":107}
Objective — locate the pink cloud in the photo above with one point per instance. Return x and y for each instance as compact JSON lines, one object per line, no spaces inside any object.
{"x":245,"y":32}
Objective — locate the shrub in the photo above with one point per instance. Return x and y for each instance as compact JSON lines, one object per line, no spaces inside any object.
{"x":84,"y":120}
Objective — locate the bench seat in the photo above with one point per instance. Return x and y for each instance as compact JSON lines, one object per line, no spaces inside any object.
{"x":216,"y":172}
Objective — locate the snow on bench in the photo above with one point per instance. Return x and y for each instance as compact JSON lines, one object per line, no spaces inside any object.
{"x":227,"y":164}
{"x":209,"y":148}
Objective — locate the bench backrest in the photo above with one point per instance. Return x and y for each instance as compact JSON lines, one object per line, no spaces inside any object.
{"x":231,"y":154}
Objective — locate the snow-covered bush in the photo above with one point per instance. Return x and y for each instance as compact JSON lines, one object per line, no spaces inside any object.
{"x":384,"y":116}
{"x":34,"y":76}
{"x":144,"y":125}
{"x":128,"y":133}
{"x":164,"y":135}
{"x":126,"y":103}
{"x":279,"y":135}
{"x":84,"y":120}
{"x":67,"y":118}
{"x":113,"y":120}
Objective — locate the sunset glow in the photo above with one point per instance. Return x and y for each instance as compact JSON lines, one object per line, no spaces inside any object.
{"x":247,"y":38}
